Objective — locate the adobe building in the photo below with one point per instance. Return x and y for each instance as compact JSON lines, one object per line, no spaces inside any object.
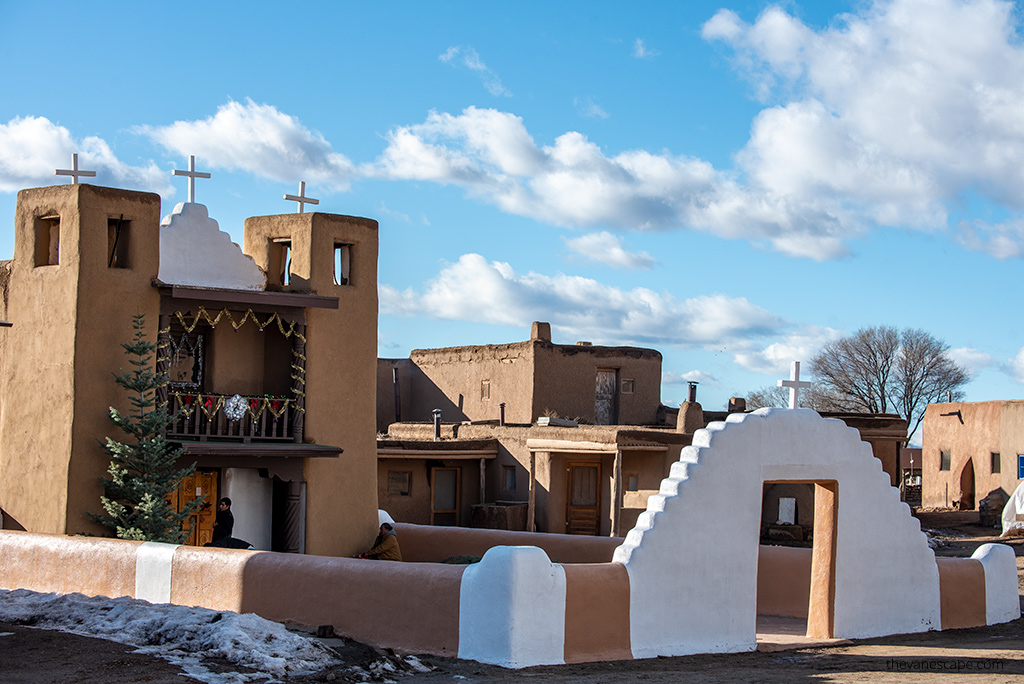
{"x":969,"y":450}
{"x":590,"y":384}
{"x":268,"y":353}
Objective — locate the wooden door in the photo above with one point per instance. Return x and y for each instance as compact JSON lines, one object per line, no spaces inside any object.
{"x":444,"y":496}
{"x":202,"y":483}
{"x":583,"y":498}
{"x":604,"y":397}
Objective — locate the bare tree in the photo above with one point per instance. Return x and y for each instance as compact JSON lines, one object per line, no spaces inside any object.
{"x":885,"y":370}
{"x":816,"y":398}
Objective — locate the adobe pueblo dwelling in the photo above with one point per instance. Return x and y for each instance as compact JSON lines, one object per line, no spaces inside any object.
{"x":269,"y":353}
{"x":969,"y":450}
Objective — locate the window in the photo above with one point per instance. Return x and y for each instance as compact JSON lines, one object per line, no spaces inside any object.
{"x":944,"y":460}
{"x":399,"y":482}
{"x":628,"y":386}
{"x":994,"y":463}
{"x":632,"y":482}
{"x":117,"y":242}
{"x":342,"y":264}
{"x":280,"y":261}
{"x":485,"y":389}
{"x":48,"y":241}
{"x":1020,"y":466}
{"x":510,"y":478}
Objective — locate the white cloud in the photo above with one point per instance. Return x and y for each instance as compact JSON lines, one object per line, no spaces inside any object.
{"x":641,"y":51}
{"x":605,"y":248}
{"x":886,"y":116}
{"x":775,"y":359}
{"x":473,"y":289}
{"x":973,"y":360}
{"x":32,"y":147}
{"x":588,"y":108}
{"x":261,"y":140}
{"x":1017,"y":366}
{"x":467,"y":56}
{"x":703,"y":377}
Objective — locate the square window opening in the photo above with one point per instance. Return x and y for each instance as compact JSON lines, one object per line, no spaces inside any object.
{"x":510,"y":478}
{"x":399,"y":483}
{"x":485,"y":389}
{"x":944,"y":460}
{"x":628,"y":386}
{"x":118,"y":234}
{"x":280,"y":261}
{"x":632,"y":482}
{"x":342,"y":264}
{"x":47,"y":241}
{"x":995,"y":465}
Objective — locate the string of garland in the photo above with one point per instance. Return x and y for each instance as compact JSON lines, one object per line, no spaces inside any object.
{"x":299,"y":376}
{"x":212,"y":403}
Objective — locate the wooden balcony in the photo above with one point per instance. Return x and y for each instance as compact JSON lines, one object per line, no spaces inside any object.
{"x":203,"y":417}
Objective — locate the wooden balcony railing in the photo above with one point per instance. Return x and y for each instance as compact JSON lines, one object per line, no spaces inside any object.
{"x":214,"y":417}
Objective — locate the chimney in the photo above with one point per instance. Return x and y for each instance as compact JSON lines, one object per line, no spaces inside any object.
{"x":437,"y":424}
{"x":541,"y":331}
{"x":737,"y":404}
{"x":691,"y":396}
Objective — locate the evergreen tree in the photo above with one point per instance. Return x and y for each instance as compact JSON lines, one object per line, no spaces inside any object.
{"x":143,"y":473}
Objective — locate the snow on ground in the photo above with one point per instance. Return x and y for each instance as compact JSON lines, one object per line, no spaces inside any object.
{"x":178,"y":634}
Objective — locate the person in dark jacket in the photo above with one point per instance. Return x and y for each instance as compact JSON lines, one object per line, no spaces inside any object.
{"x":386,"y":545}
{"x":225,"y":522}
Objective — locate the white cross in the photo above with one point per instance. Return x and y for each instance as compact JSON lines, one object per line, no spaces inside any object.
{"x":794,"y":384}
{"x":192,"y":175}
{"x":73,"y":171}
{"x":301,"y":197}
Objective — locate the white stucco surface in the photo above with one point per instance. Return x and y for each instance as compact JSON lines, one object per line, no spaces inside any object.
{"x":384,"y":517}
{"x":252,"y":504}
{"x":153,"y":571}
{"x":1002,"y":602}
{"x":194,"y":251}
{"x":512,"y":609}
{"x":692,"y":557}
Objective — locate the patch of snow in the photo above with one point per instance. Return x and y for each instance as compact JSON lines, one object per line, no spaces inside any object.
{"x":179,"y":634}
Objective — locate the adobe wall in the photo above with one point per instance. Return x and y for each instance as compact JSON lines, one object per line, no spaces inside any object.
{"x":236,"y":358}
{"x":973,"y":440}
{"x":416,"y":507}
{"x":565,"y":381}
{"x":427,"y":544}
{"x":70,"y":321}
{"x":452,"y":379}
{"x":341,"y":376}
{"x":1011,"y":445}
{"x":386,"y":391}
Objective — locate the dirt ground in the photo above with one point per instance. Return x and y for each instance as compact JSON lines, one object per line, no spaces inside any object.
{"x":982,"y":655}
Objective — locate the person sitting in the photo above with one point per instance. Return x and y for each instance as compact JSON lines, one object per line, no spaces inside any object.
{"x":386,"y":545}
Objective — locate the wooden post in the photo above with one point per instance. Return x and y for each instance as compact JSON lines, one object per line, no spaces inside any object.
{"x":298,"y":359}
{"x":483,"y":480}
{"x":531,"y":507}
{"x":616,"y":494}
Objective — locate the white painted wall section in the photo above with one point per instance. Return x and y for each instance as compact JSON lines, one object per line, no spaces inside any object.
{"x":1002,"y":603}
{"x":512,"y":609}
{"x":194,"y":251}
{"x":153,"y":571}
{"x":384,"y":517}
{"x":252,"y":504}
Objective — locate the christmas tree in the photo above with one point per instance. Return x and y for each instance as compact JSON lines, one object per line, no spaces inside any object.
{"x":144,"y":472}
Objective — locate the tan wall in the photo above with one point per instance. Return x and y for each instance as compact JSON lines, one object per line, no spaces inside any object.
{"x":386,"y":391}
{"x":341,"y":348}
{"x":596,"y":630}
{"x":236,"y":359}
{"x":566,"y":381}
{"x":1011,"y":445}
{"x":450,"y":379}
{"x":416,"y":507}
{"x":426,"y":544}
{"x":55,"y":563}
{"x":973,"y":440}
{"x":783,"y":581}
{"x":961,"y":592}
{"x":69,"y":323}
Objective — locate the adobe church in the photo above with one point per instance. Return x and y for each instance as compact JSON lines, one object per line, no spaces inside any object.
{"x":270,"y":353}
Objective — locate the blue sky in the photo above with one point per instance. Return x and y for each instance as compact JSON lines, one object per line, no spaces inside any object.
{"x":732,"y":183}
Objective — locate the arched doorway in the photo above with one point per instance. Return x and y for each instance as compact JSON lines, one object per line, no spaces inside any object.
{"x":966,"y":501}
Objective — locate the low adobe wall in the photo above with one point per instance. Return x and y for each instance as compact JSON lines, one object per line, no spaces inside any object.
{"x":413,"y":607}
{"x":428,"y":544}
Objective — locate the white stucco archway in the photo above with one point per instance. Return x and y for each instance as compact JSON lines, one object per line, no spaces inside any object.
{"x":692,"y":557}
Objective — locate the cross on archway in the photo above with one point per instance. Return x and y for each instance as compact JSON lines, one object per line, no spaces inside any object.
{"x":73,"y":171}
{"x":192,"y":175}
{"x":795,"y":385}
{"x":301,"y":198}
